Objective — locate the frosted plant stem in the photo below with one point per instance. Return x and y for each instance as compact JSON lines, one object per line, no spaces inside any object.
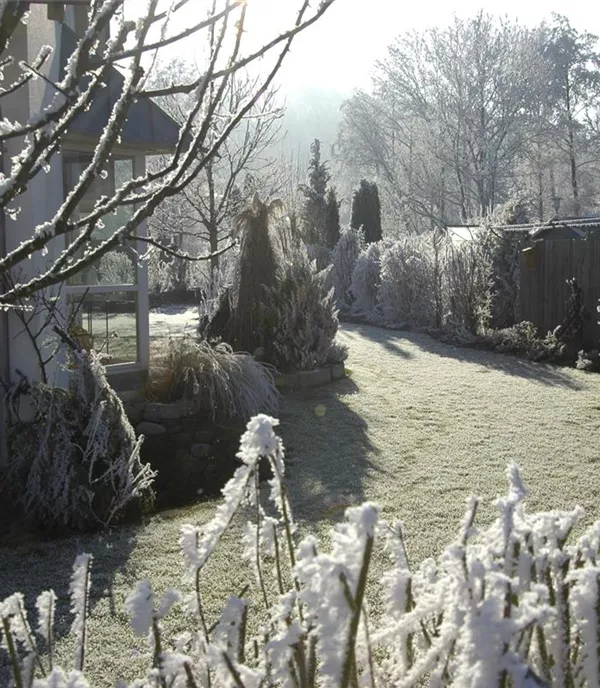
{"x":509,"y":569}
{"x":80,"y":659}
{"x":191,"y":681}
{"x":203,"y":622}
{"x":286,"y":515}
{"x":357,"y":607}
{"x":409,"y":638}
{"x":14,"y":660}
{"x":241,"y":658}
{"x":31,"y":639}
{"x":312,"y":661}
{"x":369,"y":649}
{"x":156,"y":659}
{"x":543,"y":650}
{"x":259,"y":572}
{"x":278,"y":562}
{"x":235,"y":674}
{"x":200,"y":607}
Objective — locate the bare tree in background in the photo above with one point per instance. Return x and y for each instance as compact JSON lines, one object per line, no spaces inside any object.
{"x":448,"y":119}
{"x":202,"y":213}
{"x":207,"y":127}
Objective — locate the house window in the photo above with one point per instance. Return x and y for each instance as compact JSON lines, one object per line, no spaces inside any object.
{"x":106,"y":321}
{"x":103,"y":298}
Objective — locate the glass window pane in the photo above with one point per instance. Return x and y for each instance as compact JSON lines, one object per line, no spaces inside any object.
{"x":106,"y":323}
{"x":114,"y":268}
{"x":123,"y":171}
{"x":119,"y":266}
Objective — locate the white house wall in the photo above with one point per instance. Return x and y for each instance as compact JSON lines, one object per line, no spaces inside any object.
{"x":45,"y":191}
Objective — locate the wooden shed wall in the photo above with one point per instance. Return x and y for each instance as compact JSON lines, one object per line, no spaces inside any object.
{"x":544,"y":291}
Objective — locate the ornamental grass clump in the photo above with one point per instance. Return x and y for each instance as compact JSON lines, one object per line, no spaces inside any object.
{"x":516,"y":603}
{"x":218,"y":381}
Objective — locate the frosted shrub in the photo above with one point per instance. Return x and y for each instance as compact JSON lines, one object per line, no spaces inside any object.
{"x":168,"y":273}
{"x":522,"y":339}
{"x":77,"y":464}
{"x":304,"y":318}
{"x":514,"y":604}
{"x":216,"y":380}
{"x":116,"y":267}
{"x":321,"y":255}
{"x":343,"y":258}
{"x":468,"y":286}
{"x":365,"y":284}
{"x":407,"y":292}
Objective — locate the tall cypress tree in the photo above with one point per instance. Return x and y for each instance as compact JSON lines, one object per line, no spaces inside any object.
{"x":315,"y":203}
{"x":332,"y":218}
{"x":366,"y":211}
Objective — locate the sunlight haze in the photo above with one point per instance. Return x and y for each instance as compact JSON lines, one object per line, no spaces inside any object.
{"x":340,"y":51}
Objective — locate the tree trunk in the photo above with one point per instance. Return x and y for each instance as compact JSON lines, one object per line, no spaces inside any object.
{"x":212,"y":226}
{"x":540,"y":184}
{"x":573,"y":167}
{"x":571,"y":148}
{"x":213,"y":233}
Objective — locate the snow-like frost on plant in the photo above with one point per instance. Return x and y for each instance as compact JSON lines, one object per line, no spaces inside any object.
{"x":509,"y":604}
{"x":58,"y":679}
{"x":79,"y":590}
{"x":259,"y":439}
{"x":45,"y":605}
{"x":140,"y":606}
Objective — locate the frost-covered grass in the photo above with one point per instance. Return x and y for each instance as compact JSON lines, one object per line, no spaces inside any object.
{"x":173,"y":320}
{"x":418,"y":427}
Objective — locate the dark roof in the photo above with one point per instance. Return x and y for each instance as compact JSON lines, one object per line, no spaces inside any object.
{"x":147,"y":126}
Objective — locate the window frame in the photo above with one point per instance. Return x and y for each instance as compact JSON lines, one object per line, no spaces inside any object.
{"x":139,"y":287}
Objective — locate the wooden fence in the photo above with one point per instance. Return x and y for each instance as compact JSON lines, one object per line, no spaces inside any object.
{"x":545,"y":269}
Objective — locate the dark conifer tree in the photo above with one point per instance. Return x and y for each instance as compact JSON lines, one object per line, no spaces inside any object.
{"x":332,"y":218}
{"x":315,"y":202}
{"x":366,"y":211}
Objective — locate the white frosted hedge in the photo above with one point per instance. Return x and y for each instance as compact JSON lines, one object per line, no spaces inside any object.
{"x":515,"y":604}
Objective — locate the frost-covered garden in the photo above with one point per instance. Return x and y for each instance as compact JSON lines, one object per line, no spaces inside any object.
{"x":472,"y":403}
{"x":179,"y":302}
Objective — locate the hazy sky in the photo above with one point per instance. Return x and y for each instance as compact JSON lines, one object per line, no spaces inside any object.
{"x":339,"y":51}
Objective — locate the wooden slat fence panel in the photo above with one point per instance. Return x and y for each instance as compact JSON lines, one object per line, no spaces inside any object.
{"x":544,"y":290}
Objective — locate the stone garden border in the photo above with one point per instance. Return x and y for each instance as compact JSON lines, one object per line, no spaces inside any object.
{"x":304,"y":379}
{"x":147,"y":416}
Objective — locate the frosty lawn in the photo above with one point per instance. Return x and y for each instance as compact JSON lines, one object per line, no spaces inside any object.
{"x":418,"y":427}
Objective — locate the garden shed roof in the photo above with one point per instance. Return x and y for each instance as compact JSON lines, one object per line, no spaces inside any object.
{"x":563,"y":228}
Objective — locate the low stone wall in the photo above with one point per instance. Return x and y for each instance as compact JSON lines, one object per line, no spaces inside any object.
{"x":194,"y":457}
{"x":304,"y":379}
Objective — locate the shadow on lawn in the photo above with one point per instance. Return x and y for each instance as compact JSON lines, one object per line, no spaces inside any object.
{"x":34,"y":566}
{"x":395,"y":341}
{"x":327,"y":450}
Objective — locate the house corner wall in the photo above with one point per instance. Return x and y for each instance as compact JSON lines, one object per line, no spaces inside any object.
{"x":44,"y":193}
